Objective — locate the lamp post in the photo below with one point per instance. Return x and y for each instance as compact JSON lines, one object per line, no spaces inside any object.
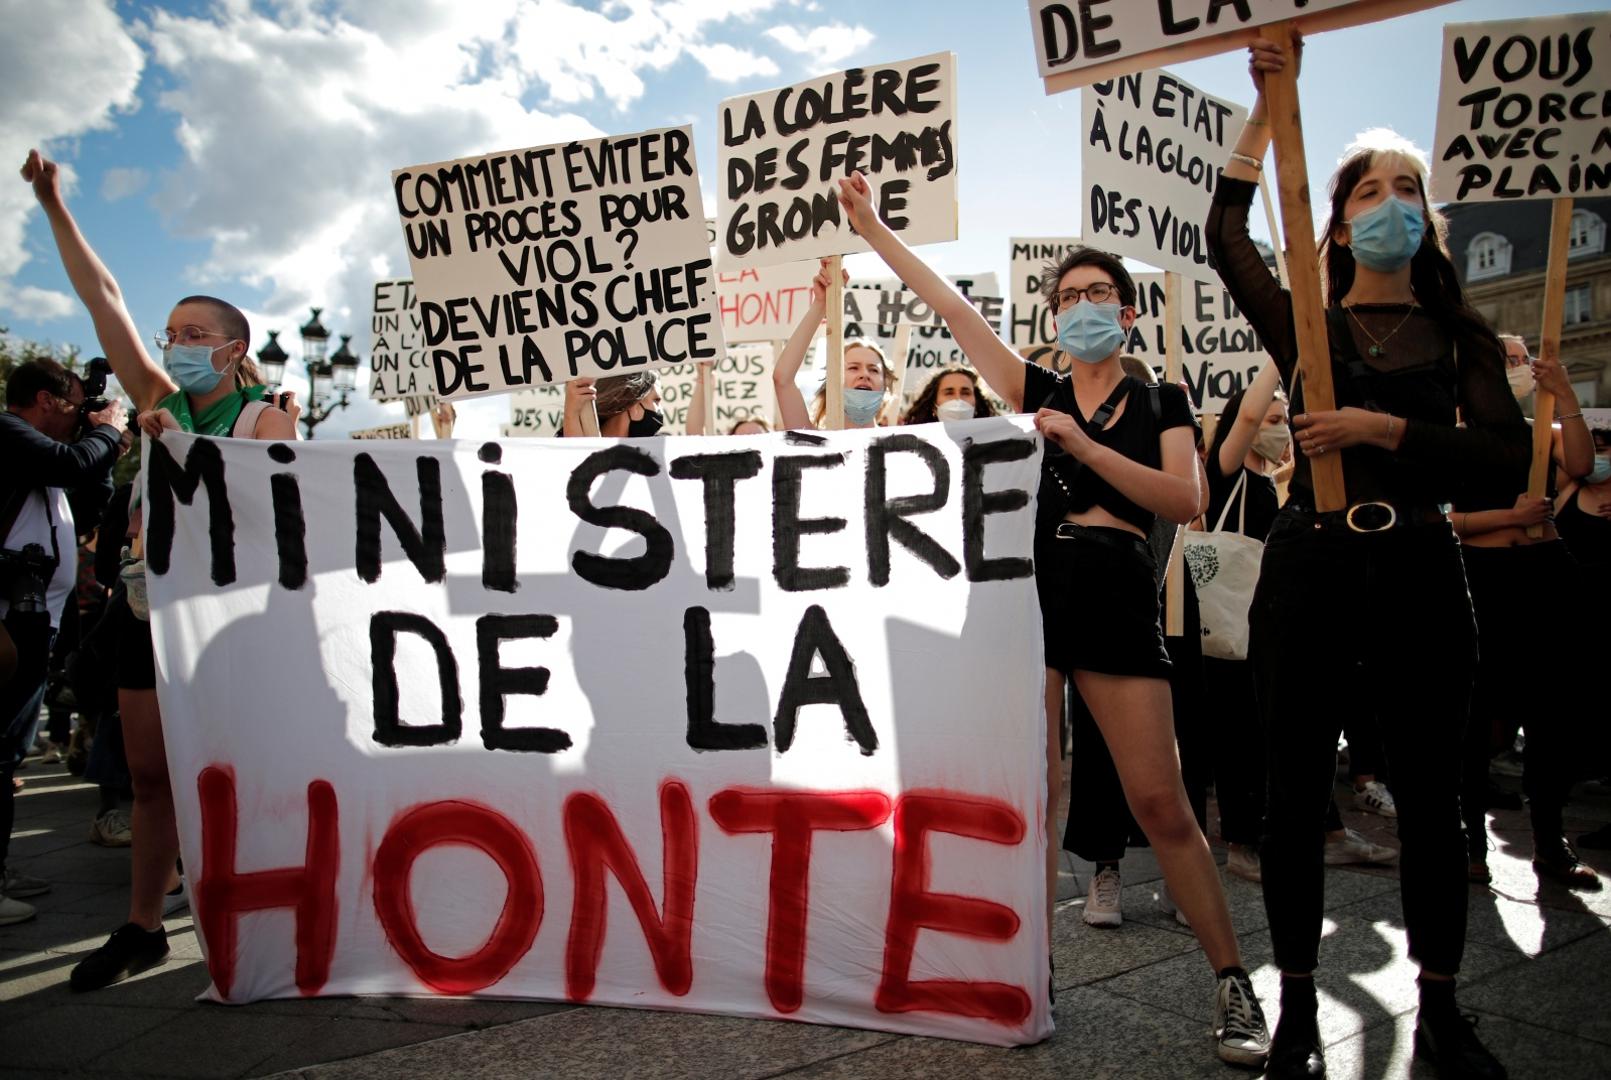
{"x":331,"y":378}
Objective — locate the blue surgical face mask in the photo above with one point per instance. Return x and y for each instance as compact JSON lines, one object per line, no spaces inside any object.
{"x":192,"y":367}
{"x":1386,"y":237}
{"x":1090,"y":332}
{"x":1601,"y":471}
{"x":861,"y":406}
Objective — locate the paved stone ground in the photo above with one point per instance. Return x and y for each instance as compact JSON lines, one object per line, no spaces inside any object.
{"x":1132,"y":1002}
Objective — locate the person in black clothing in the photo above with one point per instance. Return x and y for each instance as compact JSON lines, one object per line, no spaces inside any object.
{"x":1104,"y":482}
{"x":1374,"y":594}
{"x":1583,"y":518}
{"x":51,"y":481}
{"x":1505,"y":567}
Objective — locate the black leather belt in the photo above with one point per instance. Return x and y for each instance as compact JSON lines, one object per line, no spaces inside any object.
{"x":1375,"y":517}
{"x":1113,"y":538}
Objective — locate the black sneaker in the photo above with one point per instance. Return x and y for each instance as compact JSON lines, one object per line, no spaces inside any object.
{"x":1451,"y":1044}
{"x":129,"y":951}
{"x":1296,"y":1052}
{"x":1555,"y":859}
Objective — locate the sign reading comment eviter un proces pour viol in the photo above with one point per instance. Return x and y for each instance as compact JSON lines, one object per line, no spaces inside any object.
{"x":632,"y":722}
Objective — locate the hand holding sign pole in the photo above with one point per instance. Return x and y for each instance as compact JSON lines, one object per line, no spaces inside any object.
{"x":1174,"y":583}
{"x":1549,"y":348}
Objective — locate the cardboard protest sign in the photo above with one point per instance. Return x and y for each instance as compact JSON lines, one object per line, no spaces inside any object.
{"x":546,"y":264}
{"x":709,"y":768}
{"x":1153,"y":148}
{"x":764,"y":303}
{"x":399,"y":364}
{"x":1524,"y":109}
{"x":1032,"y":328}
{"x":783,"y":152}
{"x":536,"y":411}
{"x":386,"y":431}
{"x":874,"y":311}
{"x":742,"y":385}
{"x":1084,"y":41}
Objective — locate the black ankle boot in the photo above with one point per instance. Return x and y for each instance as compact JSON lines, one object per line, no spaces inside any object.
{"x":1295,"y":1051}
{"x":1448,"y":1040}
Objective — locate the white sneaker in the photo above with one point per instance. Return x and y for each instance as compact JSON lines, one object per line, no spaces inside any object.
{"x":112,"y":829}
{"x":1354,"y":848}
{"x":1374,"y":798}
{"x":1244,"y":863}
{"x":1167,"y":902}
{"x":14,"y":911}
{"x":17,"y":884}
{"x":1102,"y":900}
{"x":1239,"y":1027}
{"x":177,"y":900}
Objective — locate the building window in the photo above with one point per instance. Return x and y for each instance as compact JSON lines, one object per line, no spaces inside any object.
{"x":1579,"y":309}
{"x":1488,"y":256}
{"x":1587,"y":235}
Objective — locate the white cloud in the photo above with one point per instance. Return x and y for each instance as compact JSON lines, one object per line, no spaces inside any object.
{"x":725,"y":63}
{"x":69,"y":67}
{"x":826,"y":47}
{"x":120,"y":183}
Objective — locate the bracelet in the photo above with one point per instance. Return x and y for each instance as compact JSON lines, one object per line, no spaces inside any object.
{"x":1251,"y":162}
{"x":1390,"y":430}
{"x":1257,"y":123}
{"x":1572,"y":416}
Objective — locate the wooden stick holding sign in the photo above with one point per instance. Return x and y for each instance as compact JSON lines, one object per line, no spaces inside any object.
{"x":1275,"y":232}
{"x":1549,"y":348}
{"x":1174,"y":583}
{"x":898,"y":356}
{"x":833,"y":414}
{"x":1303,"y":262}
{"x":707,"y":395}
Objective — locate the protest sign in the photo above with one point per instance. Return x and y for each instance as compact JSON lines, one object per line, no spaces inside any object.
{"x":1151,"y":155}
{"x":399,"y":364}
{"x":1032,"y":329}
{"x":707,"y":769}
{"x":875,"y":310}
{"x":386,"y":431}
{"x":1524,"y":109}
{"x":536,"y":411}
{"x":1084,"y":41}
{"x":546,"y":264}
{"x":783,"y":152}
{"x":764,"y":303}
{"x":742,"y":385}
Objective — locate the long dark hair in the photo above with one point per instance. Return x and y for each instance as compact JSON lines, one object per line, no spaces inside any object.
{"x":923,"y":406}
{"x":1432,"y":276}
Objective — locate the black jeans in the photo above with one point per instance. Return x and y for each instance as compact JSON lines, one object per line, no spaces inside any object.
{"x":1339,"y":618}
{"x":1512,"y":685}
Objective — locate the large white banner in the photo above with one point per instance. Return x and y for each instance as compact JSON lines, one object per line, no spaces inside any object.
{"x":1522,"y":109}
{"x":783,"y":152}
{"x":553,"y":262}
{"x":1153,"y":148}
{"x":633,"y":722}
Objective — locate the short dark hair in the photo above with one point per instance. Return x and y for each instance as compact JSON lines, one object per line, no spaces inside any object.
{"x":235,"y":324}
{"x":1088,"y":256}
{"x":32,"y":376}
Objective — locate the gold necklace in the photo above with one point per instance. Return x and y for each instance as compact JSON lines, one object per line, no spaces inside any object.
{"x":1378,"y":346}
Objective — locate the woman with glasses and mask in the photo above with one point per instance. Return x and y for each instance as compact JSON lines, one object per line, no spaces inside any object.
{"x":1505,"y":567}
{"x":1117,"y":457}
{"x":1372,"y":596}
{"x":206,"y":384}
{"x":867,"y":374}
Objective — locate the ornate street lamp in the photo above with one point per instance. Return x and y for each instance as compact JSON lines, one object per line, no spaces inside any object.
{"x":331,"y":379}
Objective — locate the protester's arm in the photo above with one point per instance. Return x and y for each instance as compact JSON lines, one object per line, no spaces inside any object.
{"x":580,"y":395}
{"x":791,"y":403}
{"x":1171,"y":492}
{"x":696,"y":405}
{"x":274,"y":425}
{"x":1496,"y":439}
{"x":1572,"y":444}
{"x":991,"y":357}
{"x":1526,"y":513}
{"x":139,"y":375}
{"x":1248,"y":420}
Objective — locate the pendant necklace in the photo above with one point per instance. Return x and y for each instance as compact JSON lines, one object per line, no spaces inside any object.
{"x":1378,"y":346}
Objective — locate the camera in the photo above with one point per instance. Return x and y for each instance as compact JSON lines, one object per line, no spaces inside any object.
{"x":94,"y":380}
{"x":23,"y":577}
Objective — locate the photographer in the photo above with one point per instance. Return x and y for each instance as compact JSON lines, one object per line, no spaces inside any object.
{"x":59,"y":441}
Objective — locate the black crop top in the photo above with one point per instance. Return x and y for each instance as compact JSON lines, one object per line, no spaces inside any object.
{"x":1431,"y":368}
{"x":1134,"y":434}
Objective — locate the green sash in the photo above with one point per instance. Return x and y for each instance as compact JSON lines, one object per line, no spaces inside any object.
{"x":218,"y":419}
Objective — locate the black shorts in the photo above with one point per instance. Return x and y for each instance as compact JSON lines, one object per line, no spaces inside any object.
{"x":136,"y":663}
{"x":1099,"y":603}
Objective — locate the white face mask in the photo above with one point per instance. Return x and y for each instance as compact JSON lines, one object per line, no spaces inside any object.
{"x":955,"y":409}
{"x":1272,"y":442}
{"x":1521,"y":380}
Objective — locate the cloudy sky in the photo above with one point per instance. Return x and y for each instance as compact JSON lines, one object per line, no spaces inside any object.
{"x":244,"y":148}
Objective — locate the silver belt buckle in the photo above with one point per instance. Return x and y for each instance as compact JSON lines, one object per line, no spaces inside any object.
{"x":1358,"y":527}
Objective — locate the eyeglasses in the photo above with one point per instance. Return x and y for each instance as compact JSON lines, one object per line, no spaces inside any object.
{"x":185,"y":335}
{"x":1100,"y":292}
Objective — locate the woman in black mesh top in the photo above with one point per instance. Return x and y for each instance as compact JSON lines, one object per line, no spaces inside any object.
{"x":1374,"y":593}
